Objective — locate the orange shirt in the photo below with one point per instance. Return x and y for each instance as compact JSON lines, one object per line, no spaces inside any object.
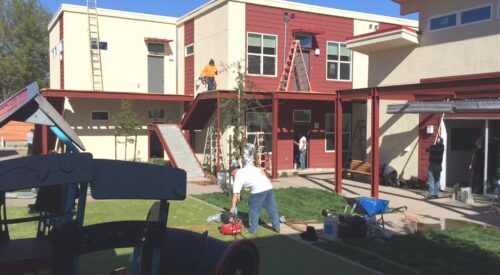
{"x":209,"y":71}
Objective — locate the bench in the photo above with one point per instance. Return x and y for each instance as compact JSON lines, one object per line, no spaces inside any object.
{"x":361,"y":167}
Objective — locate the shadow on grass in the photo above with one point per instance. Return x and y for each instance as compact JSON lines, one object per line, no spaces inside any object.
{"x":461,"y":251}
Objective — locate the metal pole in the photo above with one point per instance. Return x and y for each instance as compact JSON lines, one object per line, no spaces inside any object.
{"x":284,"y":43}
{"x":486,"y":149}
{"x":274,"y":163}
{"x":218,"y":133}
{"x":338,"y":145}
{"x":375,"y":132}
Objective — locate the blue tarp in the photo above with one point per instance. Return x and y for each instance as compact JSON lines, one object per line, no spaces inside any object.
{"x":372,"y":206}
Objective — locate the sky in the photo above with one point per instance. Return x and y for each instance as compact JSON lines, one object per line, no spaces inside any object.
{"x":177,"y":8}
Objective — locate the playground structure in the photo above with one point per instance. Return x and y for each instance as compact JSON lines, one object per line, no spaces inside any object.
{"x":63,"y":180}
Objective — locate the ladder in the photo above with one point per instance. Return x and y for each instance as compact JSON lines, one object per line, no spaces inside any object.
{"x":260,"y":147}
{"x":210,"y":152}
{"x":295,"y":63}
{"x":95,"y":52}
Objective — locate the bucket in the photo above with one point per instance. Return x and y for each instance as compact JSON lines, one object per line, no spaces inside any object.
{"x":331,"y":227}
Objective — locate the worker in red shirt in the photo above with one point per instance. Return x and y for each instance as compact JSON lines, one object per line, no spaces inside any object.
{"x":208,"y":74}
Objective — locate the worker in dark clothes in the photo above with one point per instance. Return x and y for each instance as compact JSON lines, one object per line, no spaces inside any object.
{"x":477,"y":168}
{"x":435,"y":159}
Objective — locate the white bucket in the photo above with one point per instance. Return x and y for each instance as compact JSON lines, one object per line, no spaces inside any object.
{"x":331,"y":227}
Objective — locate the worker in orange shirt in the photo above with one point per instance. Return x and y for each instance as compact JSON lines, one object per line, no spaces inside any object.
{"x":208,"y":74}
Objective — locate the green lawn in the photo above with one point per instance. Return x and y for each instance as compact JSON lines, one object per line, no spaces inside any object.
{"x":462,"y":251}
{"x":293,"y":203}
{"x":279,"y":254}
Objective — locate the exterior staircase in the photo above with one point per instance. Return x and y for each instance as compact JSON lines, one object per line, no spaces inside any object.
{"x":178,"y":150}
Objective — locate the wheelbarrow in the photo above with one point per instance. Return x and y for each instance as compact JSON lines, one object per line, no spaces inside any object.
{"x":370,"y":207}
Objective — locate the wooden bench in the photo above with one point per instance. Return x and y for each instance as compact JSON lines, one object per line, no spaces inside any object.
{"x":362,"y":167}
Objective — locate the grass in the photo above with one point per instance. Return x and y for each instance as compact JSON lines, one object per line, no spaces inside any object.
{"x":468,"y":250}
{"x":191,"y":214}
{"x":293,"y":203}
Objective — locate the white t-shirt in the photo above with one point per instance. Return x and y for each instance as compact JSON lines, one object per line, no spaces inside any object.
{"x":251,"y":177}
{"x":29,"y":138}
{"x":302,"y":143}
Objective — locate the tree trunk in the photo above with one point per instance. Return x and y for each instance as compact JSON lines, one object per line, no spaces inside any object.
{"x":135,"y":147}
{"x":116,"y":153}
{"x":126,"y":144}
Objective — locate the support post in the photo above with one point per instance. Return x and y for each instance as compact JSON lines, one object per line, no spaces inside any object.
{"x":486,"y":145}
{"x":375,"y":132}
{"x":218,"y":133}
{"x":274,"y":170}
{"x":338,"y":145}
{"x":45,"y":139}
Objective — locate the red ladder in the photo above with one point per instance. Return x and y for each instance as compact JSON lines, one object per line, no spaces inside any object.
{"x":295,"y":63}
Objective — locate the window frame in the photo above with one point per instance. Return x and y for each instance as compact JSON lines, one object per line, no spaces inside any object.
{"x":457,"y":23}
{"x":306,"y":110}
{"x":255,"y":133}
{"x":261,"y":55}
{"x":475,"y":8}
{"x":186,"y":50}
{"x":92,"y":115}
{"x":330,"y":133}
{"x":338,"y":62}
{"x":304,"y":35}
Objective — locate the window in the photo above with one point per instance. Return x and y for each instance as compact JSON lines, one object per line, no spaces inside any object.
{"x":475,"y":15}
{"x":306,"y":40}
{"x":262,"y":54}
{"x":338,"y":63}
{"x":156,"y":48}
{"x":463,"y":139}
{"x":443,"y":22}
{"x":260,"y":123}
{"x":189,"y":50}
{"x":100,"y":116}
{"x":329,"y":132}
{"x":102,"y":45}
{"x":301,"y":115}
{"x":156,"y":114}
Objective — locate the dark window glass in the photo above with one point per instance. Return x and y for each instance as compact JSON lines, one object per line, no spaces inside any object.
{"x":156,"y":113}
{"x":332,"y":70}
{"x":254,"y":43}
{"x":156,"y":48}
{"x":305,"y":40}
{"x":269,"y":44}
{"x":189,"y":50}
{"x":475,"y":15}
{"x":253,"y":64}
{"x":100,"y":115}
{"x":443,"y":22}
{"x":302,"y":115}
{"x":269,"y":65}
{"x":103,"y":46}
{"x":345,"y":71}
{"x":330,"y":142}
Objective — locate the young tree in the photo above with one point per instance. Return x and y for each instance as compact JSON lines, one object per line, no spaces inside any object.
{"x":126,"y":124}
{"x":24,"y":46}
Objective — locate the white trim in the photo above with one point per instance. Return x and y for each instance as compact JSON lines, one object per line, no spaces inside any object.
{"x":262,"y":55}
{"x":457,"y":23}
{"x":92,"y":112}
{"x":474,"y":8}
{"x":327,"y":133}
{"x":338,"y":62}
{"x":185,"y":50}
{"x":305,"y":110}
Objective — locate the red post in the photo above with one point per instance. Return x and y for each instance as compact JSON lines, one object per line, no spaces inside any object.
{"x":218,"y":132}
{"x":274,"y":170}
{"x":45,"y":139}
{"x":375,"y":132}
{"x":338,"y":145}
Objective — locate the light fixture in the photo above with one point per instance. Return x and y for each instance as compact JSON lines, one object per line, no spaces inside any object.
{"x":317,"y":51}
{"x":430,"y":129}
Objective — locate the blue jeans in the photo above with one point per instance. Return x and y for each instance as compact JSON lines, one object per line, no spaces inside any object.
{"x":303,"y":155}
{"x":433,"y":184}
{"x":210,"y":83}
{"x":255,"y":203}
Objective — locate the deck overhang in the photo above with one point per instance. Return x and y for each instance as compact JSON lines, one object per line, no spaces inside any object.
{"x":397,"y":37}
{"x":52,"y":93}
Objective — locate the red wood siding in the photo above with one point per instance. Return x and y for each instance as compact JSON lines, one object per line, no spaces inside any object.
{"x":383,"y":26}
{"x":61,"y":62}
{"x":15,"y":131}
{"x":318,"y":158}
{"x":189,"y":60}
{"x":269,"y":20}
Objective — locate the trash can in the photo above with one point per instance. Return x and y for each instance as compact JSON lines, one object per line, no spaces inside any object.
{"x":331,"y":226}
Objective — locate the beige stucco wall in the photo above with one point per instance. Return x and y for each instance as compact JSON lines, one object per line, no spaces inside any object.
{"x":180,"y":59}
{"x":211,"y":41}
{"x":98,"y":136}
{"x":236,"y":40}
{"x":55,"y":48}
{"x":398,"y":139}
{"x":125,"y":63}
{"x":360,"y":61}
{"x":461,"y":50}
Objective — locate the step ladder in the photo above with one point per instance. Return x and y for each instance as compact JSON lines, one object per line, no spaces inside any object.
{"x":295,"y":64}
{"x":95,"y":52}
{"x":210,"y":153}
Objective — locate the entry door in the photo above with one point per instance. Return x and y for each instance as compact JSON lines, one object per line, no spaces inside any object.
{"x":307,"y":61}
{"x":156,"y":72}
